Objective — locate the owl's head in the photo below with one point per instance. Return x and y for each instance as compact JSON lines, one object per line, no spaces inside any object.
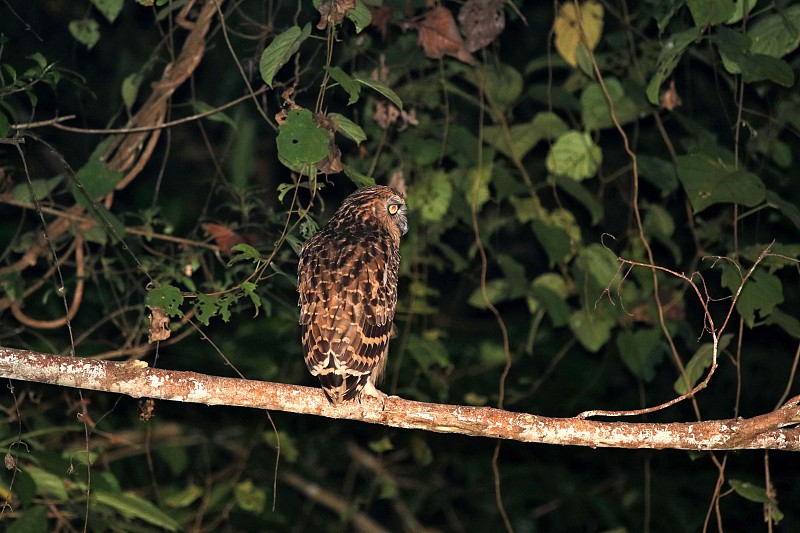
{"x":374,"y":206}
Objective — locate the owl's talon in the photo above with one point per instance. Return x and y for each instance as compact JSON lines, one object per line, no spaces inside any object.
{"x":370,"y":390}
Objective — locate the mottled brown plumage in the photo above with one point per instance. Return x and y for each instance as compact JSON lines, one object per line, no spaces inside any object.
{"x":347,"y":280}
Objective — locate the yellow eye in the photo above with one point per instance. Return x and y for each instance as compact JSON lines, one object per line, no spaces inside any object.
{"x":393,"y":209}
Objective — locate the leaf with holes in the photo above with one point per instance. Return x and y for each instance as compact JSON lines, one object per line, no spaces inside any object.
{"x":167,"y":297}
{"x":301,"y":143}
{"x":710,"y":181}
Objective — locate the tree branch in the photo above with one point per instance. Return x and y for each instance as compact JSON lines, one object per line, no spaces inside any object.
{"x":136,"y":379}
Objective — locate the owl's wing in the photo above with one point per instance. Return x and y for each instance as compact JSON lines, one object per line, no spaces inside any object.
{"x":347,"y":298}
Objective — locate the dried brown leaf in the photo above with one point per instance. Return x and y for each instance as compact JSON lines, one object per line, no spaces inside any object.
{"x":224,"y":237}
{"x":159,"y":325}
{"x":670,"y":99}
{"x":439,"y":36}
{"x":333,"y":12}
{"x":380,"y":19}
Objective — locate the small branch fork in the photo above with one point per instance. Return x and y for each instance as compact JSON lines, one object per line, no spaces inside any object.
{"x":136,"y":379}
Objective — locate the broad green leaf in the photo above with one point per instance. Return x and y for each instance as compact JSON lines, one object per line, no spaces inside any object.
{"x":497,"y":290}
{"x":360,"y":16}
{"x":554,"y":239}
{"x":12,"y":285}
{"x":776,"y":34}
{"x":41,"y":189}
{"x":347,"y":83}
{"x":741,"y":8}
{"x":96,"y":179}
{"x":478,"y":192}
{"x":574,"y":155}
{"x":711,"y":12}
{"x":699,"y":362}
{"x":249,"y":497}
{"x":30,"y":520}
{"x":596,"y":112}
{"x":381,"y":88}
{"x":708,"y":182}
{"x":428,"y":350}
{"x":47,"y":483}
{"x":514,"y":272}
{"x":592,"y":330}
{"x":361,"y":180}
{"x":108,"y":225}
{"x":301,"y":143}
{"x":762,"y":292}
{"x":553,"y":302}
{"x":167,"y":297}
{"x":785,"y":321}
{"x":85,"y":31}
{"x":280,"y":50}
{"x":787,"y":208}
{"x":671,"y":52}
{"x":748,"y":491}
{"x":130,"y":88}
{"x":659,"y":172}
{"x":524,"y":137}
{"x":641,"y":351}
{"x":348,"y":128}
{"x":430,"y":196}
{"x":242,"y":159}
{"x":132,"y":506}
{"x":601,"y":265}
{"x":734,"y":47}
{"x":109,"y":8}
{"x":503,"y":85}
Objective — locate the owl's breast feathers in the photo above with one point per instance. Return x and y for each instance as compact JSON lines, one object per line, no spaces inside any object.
{"x":347,"y":280}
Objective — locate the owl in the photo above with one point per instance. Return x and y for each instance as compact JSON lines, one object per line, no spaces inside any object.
{"x":347,"y":280}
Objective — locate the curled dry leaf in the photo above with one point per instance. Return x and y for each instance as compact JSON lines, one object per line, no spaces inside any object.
{"x":670,"y":99}
{"x":333,"y":12}
{"x":481,"y":21}
{"x":159,"y":325}
{"x":333,"y":163}
{"x":224,"y":237}
{"x":438,"y":35}
{"x":386,"y":114}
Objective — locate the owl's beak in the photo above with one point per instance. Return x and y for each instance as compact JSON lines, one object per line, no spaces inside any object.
{"x":402,"y":224}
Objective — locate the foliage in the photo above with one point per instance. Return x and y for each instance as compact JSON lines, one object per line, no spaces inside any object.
{"x":663,"y":134}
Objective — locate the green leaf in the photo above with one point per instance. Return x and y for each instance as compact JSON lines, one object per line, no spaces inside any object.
{"x":348,"y":128}
{"x":555,"y":240}
{"x":132,"y":506}
{"x":583,"y":195}
{"x":428,"y":350}
{"x":130,"y":88}
{"x":659,"y":172}
{"x":96,"y":180}
{"x":249,"y":289}
{"x":574,"y":155}
{"x":41,"y":189}
{"x":699,"y":362}
{"x":711,"y":12}
{"x":741,"y":8}
{"x":430,"y":195}
{"x":762,"y":292}
{"x":301,"y":143}
{"x":382,"y":445}
{"x":708,"y":182}
{"x":553,"y":302}
{"x":785,"y":321}
{"x":347,"y":83}
{"x":601,"y":265}
{"x":360,"y":16}
{"x":206,"y":307}
{"x":524,"y":137}
{"x":497,"y":290}
{"x":592,"y":330}
{"x":245,"y":253}
{"x":109,"y":8}
{"x":382,"y":89}
{"x":360,"y":180}
{"x":748,"y":491}
{"x":596,"y":112}
{"x":280,"y":50}
{"x":249,"y":497}
{"x":32,"y":520}
{"x":85,"y":31}
{"x":167,"y":297}
{"x":641,"y":351}
{"x":735,"y":47}
{"x":778,"y":34}
{"x":5,"y":125}
{"x":183,"y":498}
{"x":289,"y":450}
{"x":503,"y":85}
{"x":219,"y":116}
{"x":671,"y":52}
{"x":47,"y":483}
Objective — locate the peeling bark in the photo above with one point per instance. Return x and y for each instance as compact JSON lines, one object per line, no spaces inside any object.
{"x":136,"y":379}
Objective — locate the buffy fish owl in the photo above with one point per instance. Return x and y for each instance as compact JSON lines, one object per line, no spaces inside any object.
{"x":347,"y":280}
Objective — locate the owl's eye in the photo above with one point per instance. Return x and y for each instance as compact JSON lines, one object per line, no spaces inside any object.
{"x":393,"y":209}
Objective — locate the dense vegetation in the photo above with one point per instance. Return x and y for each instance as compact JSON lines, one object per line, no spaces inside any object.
{"x":537,"y":143}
